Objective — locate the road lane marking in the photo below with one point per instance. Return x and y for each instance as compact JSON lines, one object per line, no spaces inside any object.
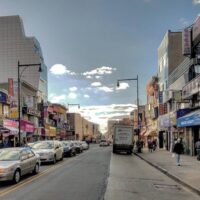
{"x":31,"y":179}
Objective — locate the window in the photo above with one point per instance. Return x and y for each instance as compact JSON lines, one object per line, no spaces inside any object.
{"x":30,"y":153}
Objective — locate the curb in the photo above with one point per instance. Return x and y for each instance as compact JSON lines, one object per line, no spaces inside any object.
{"x":164,"y":171}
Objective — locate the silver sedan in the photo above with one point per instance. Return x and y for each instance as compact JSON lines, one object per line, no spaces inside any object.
{"x":16,"y":162}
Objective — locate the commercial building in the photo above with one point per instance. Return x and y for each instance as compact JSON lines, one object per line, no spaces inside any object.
{"x":188,"y":118}
{"x":169,"y":57}
{"x":80,"y":128}
{"x":16,"y":47}
{"x":54,"y":121}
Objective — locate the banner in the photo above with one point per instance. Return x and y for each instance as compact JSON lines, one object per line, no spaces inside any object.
{"x":10,"y":87}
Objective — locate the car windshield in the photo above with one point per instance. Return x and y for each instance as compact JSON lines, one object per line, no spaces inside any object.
{"x":9,"y":155}
{"x":43,"y":145}
{"x":30,"y":144}
{"x":66,"y":144}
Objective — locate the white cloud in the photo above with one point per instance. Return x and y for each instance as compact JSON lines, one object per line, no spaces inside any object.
{"x":96,"y":84}
{"x":73,"y":89}
{"x":86,"y":96}
{"x":196,"y":2}
{"x":101,"y":114}
{"x":60,"y":69}
{"x":89,"y":77}
{"x":106,"y":89}
{"x":123,"y":86}
{"x":57,"y":99}
{"x":72,"y":95}
{"x":100,"y":71}
{"x":97,"y":77}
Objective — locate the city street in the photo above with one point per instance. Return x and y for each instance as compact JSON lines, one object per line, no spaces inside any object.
{"x":86,"y":177}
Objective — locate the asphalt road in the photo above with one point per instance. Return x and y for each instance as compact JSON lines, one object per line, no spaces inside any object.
{"x":132,"y":178}
{"x":96,"y":175}
{"x":83,"y":177}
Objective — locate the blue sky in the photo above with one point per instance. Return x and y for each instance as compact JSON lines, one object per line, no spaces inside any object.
{"x":97,"y":42}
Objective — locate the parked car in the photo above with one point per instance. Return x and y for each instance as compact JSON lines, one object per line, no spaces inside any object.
{"x":78,"y":146}
{"x":85,"y":145}
{"x":69,"y":148}
{"x":104,"y":143}
{"x":49,"y":150}
{"x":30,"y":144}
{"x":16,"y":162}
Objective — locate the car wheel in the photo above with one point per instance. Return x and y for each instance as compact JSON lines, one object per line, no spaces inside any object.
{"x":36,"y":169}
{"x":17,"y":176}
{"x":54,"y":159}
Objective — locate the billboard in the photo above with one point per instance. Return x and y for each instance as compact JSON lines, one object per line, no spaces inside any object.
{"x":196,"y":31}
{"x":186,"y":42}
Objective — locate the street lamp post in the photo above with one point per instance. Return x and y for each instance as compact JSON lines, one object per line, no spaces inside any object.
{"x":24,"y":66}
{"x":137,"y":80}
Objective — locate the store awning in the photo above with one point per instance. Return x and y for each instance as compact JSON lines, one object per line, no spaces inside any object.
{"x":8,"y":130}
{"x":191,"y":119}
{"x":13,"y":130}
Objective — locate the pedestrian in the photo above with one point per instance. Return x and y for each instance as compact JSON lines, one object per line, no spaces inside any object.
{"x":6,"y":143}
{"x":139,"y":146}
{"x":154,"y":144}
{"x":178,"y":150}
{"x":197,"y":146}
{"x":150,"y":146}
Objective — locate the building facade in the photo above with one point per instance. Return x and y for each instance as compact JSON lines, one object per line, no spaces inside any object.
{"x":16,"y":47}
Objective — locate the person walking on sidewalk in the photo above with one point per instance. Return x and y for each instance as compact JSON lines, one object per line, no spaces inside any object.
{"x":150,"y":146}
{"x":197,"y":146}
{"x":178,"y":150}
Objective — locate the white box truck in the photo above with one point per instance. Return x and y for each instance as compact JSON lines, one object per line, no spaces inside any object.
{"x":123,"y":139}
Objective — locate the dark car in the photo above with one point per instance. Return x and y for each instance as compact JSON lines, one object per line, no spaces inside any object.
{"x":69,"y":148}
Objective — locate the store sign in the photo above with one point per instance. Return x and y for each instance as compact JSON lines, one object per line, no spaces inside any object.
{"x":164,"y":121}
{"x":196,"y":31}
{"x":191,"y":88}
{"x":33,"y":112}
{"x":14,"y":113}
{"x":160,"y":97}
{"x":3,"y":97}
{"x":177,"y":96}
{"x":27,"y":126}
{"x":182,"y":112}
{"x":10,"y":123}
{"x":186,"y":42}
{"x":10,"y":87}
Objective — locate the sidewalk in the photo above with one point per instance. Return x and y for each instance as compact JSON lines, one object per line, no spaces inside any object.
{"x":187,"y":174}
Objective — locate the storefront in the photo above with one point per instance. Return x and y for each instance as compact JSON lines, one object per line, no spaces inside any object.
{"x":9,"y":132}
{"x":52,"y":132}
{"x":191,"y":125}
{"x":27,"y":130}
